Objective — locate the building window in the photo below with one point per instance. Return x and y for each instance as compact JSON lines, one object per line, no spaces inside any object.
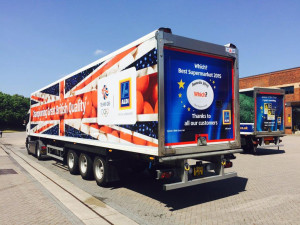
{"x":288,"y":90}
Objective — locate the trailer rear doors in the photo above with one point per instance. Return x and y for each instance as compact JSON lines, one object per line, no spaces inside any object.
{"x":269,"y":110}
{"x":198,"y":86}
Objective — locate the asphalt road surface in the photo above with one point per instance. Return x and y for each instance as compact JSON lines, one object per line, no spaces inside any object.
{"x":266,"y":191}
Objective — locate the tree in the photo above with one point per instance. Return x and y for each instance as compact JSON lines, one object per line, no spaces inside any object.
{"x":13,"y":110}
{"x":246,"y":109}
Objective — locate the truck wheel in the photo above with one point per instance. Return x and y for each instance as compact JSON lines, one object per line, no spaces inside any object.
{"x":85,"y":166}
{"x":38,"y":151}
{"x":249,"y":145}
{"x":72,"y":162}
{"x":245,"y":148}
{"x":27,"y":146}
{"x":254,"y":149}
{"x":100,"y":171}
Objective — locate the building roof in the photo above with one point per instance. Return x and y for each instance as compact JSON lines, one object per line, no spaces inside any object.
{"x":270,"y":73}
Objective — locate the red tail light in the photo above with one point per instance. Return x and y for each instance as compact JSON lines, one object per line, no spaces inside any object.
{"x":228,"y":164}
{"x":44,"y":148}
{"x":268,"y":138}
{"x":166,"y":175}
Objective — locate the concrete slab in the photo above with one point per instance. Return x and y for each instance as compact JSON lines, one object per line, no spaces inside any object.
{"x":2,"y":152}
{"x":60,"y":189}
{"x":95,"y":221}
{"x":23,"y":200}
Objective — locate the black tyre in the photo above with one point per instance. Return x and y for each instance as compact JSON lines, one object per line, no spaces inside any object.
{"x":252,"y":146}
{"x":248,"y":148}
{"x":245,"y":148}
{"x":38,"y":151}
{"x":27,"y":146}
{"x":100,"y":171}
{"x":72,"y":162}
{"x":254,"y":149}
{"x":85,"y":166}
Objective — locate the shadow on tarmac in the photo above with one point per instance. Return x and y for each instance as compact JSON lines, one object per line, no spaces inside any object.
{"x":177,"y":199}
{"x":265,"y":151}
{"x":60,"y":165}
{"x":184,"y":197}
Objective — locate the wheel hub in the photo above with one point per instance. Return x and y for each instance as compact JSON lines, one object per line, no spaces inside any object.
{"x":71,"y":160}
{"x":99,"y":169}
{"x":83,"y":164}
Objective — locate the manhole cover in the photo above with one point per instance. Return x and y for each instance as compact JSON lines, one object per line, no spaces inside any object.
{"x":7,"y":171}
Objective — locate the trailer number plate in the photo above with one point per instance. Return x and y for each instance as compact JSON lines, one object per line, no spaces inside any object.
{"x":267,"y":142}
{"x":198,"y":170}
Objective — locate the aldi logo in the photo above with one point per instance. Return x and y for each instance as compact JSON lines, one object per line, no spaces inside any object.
{"x":226,"y":117}
{"x":125,"y":94}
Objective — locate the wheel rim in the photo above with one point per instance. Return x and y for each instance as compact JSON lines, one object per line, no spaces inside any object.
{"x":83,"y":164}
{"x":71,"y":160}
{"x":99,"y":169}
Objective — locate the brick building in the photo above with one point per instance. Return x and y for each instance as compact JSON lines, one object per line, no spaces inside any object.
{"x":289,"y":80}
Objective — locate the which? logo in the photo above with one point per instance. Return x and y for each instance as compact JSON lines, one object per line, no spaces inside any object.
{"x":200,"y":94}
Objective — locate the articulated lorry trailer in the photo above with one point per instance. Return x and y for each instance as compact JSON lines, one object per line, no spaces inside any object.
{"x":261,"y":118}
{"x":164,"y":102}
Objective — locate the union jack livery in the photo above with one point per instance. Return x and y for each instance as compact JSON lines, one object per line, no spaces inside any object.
{"x":69,"y":107}
{"x":152,"y":104}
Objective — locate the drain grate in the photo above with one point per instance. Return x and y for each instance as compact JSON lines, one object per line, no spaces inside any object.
{"x":7,"y":171}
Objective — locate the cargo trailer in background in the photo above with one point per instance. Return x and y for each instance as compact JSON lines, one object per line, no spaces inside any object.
{"x":154,"y":104}
{"x":261,"y":118}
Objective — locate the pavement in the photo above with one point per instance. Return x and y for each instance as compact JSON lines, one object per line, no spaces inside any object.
{"x":266,"y":191}
{"x":24,"y":201}
{"x":31,"y":194}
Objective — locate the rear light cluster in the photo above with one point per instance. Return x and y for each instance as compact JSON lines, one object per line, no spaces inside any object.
{"x":228,"y":164}
{"x":43,"y":147}
{"x":275,"y":140}
{"x":166,"y":175}
{"x":269,"y":138}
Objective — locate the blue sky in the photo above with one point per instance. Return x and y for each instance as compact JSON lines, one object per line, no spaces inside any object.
{"x":42,"y":41}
